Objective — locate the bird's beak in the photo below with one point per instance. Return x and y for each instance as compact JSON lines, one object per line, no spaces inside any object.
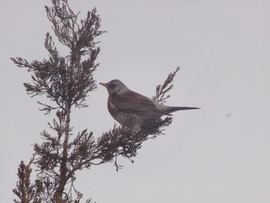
{"x":103,"y":84}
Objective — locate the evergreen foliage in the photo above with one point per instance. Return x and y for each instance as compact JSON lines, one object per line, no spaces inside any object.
{"x":66,"y":81}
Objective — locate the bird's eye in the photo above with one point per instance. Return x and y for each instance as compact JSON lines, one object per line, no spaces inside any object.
{"x":112,"y":86}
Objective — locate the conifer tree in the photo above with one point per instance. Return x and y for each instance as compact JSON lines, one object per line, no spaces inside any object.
{"x":67,"y":81}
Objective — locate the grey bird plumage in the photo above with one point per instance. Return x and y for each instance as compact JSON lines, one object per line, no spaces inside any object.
{"x":132,"y":109}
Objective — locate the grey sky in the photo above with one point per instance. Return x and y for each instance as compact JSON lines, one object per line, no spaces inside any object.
{"x":218,"y":154}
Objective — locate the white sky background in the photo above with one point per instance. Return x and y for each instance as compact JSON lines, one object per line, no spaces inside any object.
{"x":218,"y":154}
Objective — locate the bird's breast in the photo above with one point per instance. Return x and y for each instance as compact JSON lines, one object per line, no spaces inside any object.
{"x":124,"y":117}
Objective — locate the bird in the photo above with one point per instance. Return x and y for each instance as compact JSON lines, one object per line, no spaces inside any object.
{"x":132,"y":109}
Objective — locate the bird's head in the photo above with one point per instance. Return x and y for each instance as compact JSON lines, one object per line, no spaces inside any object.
{"x":115,"y":87}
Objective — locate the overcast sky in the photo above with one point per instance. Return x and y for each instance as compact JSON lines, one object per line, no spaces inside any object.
{"x":220,"y":153}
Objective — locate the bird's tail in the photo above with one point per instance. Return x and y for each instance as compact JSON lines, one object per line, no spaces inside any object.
{"x":180,"y":108}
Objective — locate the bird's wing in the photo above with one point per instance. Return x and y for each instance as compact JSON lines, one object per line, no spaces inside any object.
{"x":136,"y":103}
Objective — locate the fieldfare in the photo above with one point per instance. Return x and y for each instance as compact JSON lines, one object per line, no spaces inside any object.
{"x":132,"y":109}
